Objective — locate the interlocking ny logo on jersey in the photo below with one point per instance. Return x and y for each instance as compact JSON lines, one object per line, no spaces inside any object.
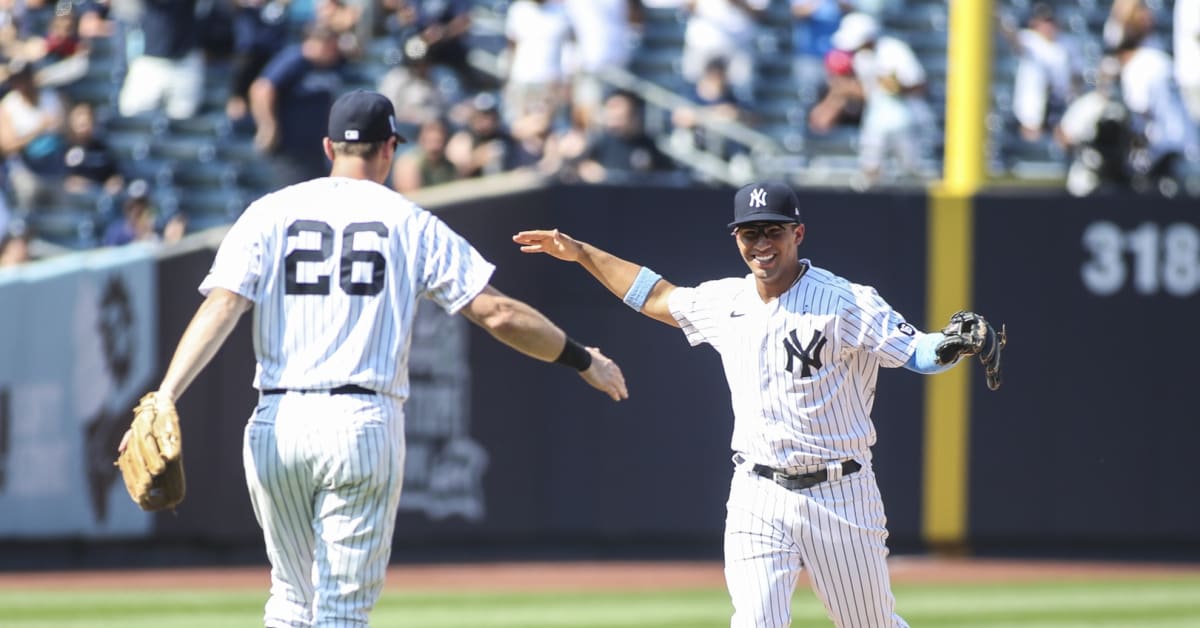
{"x":758,"y":197}
{"x":809,"y":355}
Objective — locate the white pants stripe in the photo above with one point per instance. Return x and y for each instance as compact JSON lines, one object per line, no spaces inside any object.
{"x":324,"y":474}
{"x":835,"y":529}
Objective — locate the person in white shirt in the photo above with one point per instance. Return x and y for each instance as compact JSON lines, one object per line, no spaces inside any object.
{"x":896,"y":119}
{"x":537,"y":31}
{"x":604,"y":38}
{"x":1187,"y":53}
{"x":1047,"y":73}
{"x":1158,"y":115}
{"x":723,"y":29}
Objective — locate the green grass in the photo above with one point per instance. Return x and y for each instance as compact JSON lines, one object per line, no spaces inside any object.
{"x":1142,"y":603}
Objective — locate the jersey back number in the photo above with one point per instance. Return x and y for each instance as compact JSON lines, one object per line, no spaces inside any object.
{"x":350,"y":255}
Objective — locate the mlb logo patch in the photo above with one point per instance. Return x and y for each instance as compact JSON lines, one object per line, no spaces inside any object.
{"x":351,"y":135}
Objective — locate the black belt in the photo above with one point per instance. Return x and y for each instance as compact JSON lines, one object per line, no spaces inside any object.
{"x":802,"y":481}
{"x":348,"y":389}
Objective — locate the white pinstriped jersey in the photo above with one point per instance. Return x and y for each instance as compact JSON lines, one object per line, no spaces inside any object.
{"x":335,"y":267}
{"x":801,"y":368}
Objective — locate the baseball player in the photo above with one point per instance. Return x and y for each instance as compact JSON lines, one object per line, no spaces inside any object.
{"x":332,"y":269}
{"x":801,"y":348}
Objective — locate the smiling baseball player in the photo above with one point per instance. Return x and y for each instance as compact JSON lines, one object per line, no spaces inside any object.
{"x":801,"y":348}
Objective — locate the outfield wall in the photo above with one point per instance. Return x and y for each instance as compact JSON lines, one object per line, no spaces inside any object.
{"x":1087,"y":444}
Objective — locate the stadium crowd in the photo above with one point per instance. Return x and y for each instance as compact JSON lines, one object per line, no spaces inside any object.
{"x":1129,"y":121}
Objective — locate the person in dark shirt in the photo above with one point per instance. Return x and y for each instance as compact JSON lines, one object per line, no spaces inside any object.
{"x":623,"y":150}
{"x":90,"y":165}
{"x":484,"y":147}
{"x":289,"y":100}
{"x":435,"y":31}
{"x":260,"y":31}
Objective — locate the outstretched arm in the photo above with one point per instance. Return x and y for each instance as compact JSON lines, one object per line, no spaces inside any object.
{"x":616,"y":274}
{"x":520,"y":326}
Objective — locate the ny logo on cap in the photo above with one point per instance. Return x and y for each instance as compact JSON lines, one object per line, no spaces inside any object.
{"x":758,"y":197}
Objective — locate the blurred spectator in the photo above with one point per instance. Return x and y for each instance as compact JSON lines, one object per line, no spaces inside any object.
{"x":62,"y":37}
{"x":534,"y":144}
{"x":35,"y":18}
{"x":31,"y":123}
{"x":604,"y":38}
{"x":842,"y":103}
{"x":426,"y":163}
{"x":1187,"y":53}
{"x":259,"y":32}
{"x":1047,"y":73}
{"x":723,"y":29}
{"x":94,"y":20}
{"x":410,"y":87}
{"x":175,"y":228}
{"x":435,"y":31}
{"x":14,"y":248}
{"x":169,"y":72}
{"x":345,"y":19}
{"x":1129,"y":21}
{"x":137,"y":218}
{"x":1160,"y":119}
{"x":90,"y":165}
{"x":290,"y":100}
{"x":1097,"y":130}
{"x":623,"y":150}
{"x":536,"y":30}
{"x":814,"y":23}
{"x":896,"y":119}
{"x":713,"y":98}
{"x":484,"y":146}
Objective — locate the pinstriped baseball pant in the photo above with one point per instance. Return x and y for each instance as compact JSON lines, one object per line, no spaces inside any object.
{"x":324,"y":473}
{"x":834,"y":529}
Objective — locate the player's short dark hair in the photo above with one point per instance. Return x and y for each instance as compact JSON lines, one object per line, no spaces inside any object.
{"x":365,"y":150}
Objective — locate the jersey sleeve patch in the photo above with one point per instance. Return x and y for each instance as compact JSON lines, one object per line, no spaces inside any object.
{"x":870,"y":324}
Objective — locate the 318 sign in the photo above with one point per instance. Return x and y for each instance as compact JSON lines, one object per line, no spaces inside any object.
{"x":1151,"y":258}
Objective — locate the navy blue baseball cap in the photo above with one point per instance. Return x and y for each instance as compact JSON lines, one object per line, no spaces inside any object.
{"x":765,"y":202}
{"x":362,"y":116}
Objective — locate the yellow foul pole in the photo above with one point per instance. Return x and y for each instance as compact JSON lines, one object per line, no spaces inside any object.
{"x":950,"y":268}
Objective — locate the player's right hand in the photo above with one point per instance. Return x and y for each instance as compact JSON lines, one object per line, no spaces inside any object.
{"x":552,"y":243}
{"x":604,"y":375}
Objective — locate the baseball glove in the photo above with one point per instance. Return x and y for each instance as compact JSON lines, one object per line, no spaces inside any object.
{"x":152,"y":461}
{"x":970,"y":334}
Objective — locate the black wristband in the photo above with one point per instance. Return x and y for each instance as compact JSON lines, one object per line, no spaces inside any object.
{"x":574,"y":355}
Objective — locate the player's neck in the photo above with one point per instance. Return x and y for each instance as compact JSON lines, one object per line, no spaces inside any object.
{"x":355,"y":168}
{"x":775,"y":287}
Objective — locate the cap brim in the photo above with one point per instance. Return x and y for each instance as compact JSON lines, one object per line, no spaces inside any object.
{"x":764,"y":217}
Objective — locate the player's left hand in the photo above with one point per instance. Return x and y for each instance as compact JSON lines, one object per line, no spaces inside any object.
{"x":970,"y":334}
{"x":553,"y":243}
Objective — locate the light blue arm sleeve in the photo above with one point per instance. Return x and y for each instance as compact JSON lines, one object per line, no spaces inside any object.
{"x":924,"y":359}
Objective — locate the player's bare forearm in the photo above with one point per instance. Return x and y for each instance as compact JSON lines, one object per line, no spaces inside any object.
{"x":214,"y":321}
{"x":516,"y":324}
{"x":611,"y":271}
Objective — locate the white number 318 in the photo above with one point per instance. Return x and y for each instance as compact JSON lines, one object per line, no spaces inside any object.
{"x":1166,"y":259}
